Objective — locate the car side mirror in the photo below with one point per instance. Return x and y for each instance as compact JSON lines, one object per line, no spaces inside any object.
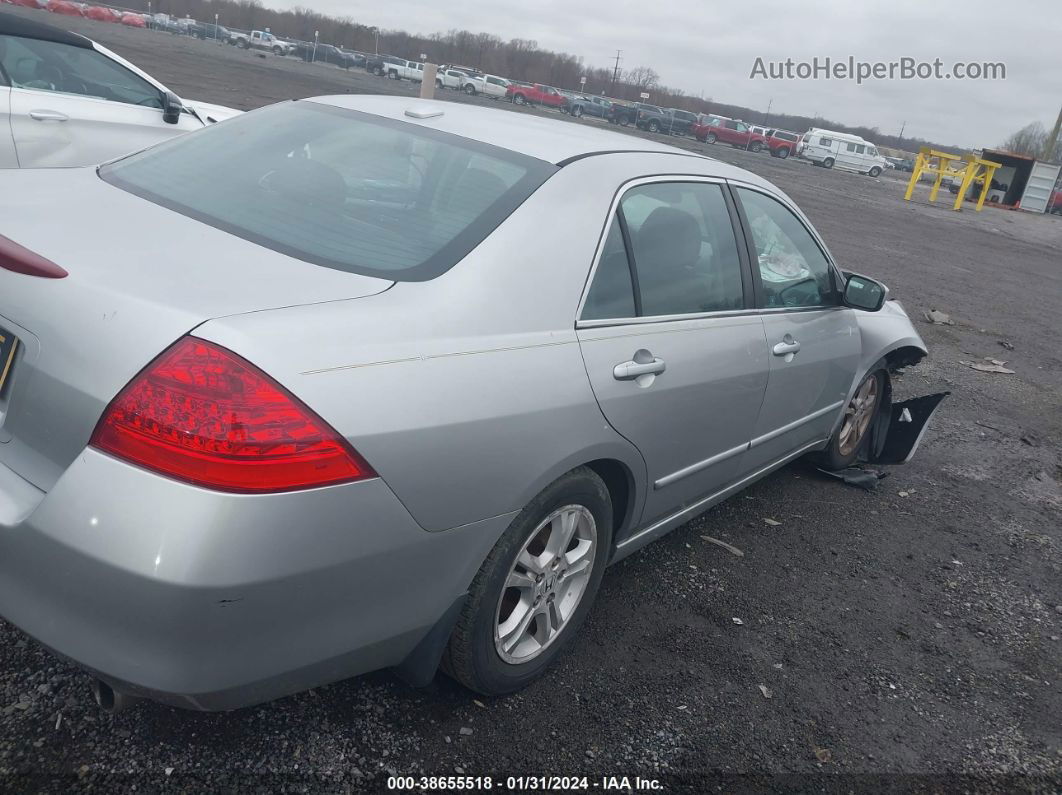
{"x":863,"y":293}
{"x":171,"y":108}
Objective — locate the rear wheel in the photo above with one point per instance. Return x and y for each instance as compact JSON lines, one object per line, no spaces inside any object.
{"x":654,"y":126}
{"x":756,"y":146}
{"x":711,"y":138}
{"x":577,"y":111}
{"x":378,"y":71}
{"x":519,"y":99}
{"x":535,"y":588}
{"x":470,"y":90}
{"x":278,"y":51}
{"x":782,"y":153}
{"x":827,"y":163}
{"x":392,"y":75}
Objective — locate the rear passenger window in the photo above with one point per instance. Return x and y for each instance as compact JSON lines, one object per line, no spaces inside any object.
{"x":793,"y":269}
{"x":683,"y":251}
{"x":611,"y":294}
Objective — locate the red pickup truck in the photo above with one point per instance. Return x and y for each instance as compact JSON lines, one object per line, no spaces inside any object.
{"x":535,"y":94}
{"x":729,"y":131}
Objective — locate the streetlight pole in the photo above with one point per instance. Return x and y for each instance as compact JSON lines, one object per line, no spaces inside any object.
{"x":215,"y":28}
{"x":316,"y":35}
{"x":376,"y":51}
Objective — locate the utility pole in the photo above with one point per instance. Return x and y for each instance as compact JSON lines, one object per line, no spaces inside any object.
{"x":1052,"y":139}
{"x":615,"y":73}
{"x":902,"y":128}
{"x":767,"y":116}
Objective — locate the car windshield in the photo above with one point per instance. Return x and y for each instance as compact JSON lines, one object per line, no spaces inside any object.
{"x":338,"y":188}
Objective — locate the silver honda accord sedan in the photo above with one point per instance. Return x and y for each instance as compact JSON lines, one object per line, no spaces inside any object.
{"x":355,"y":383}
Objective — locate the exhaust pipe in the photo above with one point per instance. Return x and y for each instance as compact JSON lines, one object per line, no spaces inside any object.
{"x":109,"y":699}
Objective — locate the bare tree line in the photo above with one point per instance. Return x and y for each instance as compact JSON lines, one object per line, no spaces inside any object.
{"x":518,"y":59}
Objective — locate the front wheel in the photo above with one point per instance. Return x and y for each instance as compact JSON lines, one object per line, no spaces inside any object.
{"x":577,"y":111}
{"x":783,"y":153}
{"x":378,"y":71}
{"x":827,"y":163}
{"x":654,"y":126}
{"x":711,"y":138}
{"x":875,"y":172}
{"x":854,"y":433}
{"x":519,"y":99}
{"x":535,"y":588}
{"x":756,"y":146}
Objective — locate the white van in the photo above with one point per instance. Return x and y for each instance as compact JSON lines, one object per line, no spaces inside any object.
{"x":828,"y":149}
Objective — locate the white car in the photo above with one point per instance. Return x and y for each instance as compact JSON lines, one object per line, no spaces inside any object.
{"x":67,"y":101}
{"x":487,"y":85}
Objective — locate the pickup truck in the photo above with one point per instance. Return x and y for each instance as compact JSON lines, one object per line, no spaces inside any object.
{"x":405,"y":70}
{"x":588,"y":105}
{"x":729,"y":131}
{"x":448,"y":77}
{"x":535,"y":94}
{"x":488,"y":85}
{"x":261,"y":40}
{"x":622,"y":113}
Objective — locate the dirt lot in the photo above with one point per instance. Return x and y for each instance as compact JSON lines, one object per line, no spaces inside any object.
{"x":903,"y":639}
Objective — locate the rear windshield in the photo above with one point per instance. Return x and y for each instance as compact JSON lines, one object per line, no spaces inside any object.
{"x":338,"y":188}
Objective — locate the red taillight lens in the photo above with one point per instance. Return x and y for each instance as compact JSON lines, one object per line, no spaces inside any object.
{"x":202,"y":414}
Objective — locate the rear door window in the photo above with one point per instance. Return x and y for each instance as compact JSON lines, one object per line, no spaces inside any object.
{"x":683,"y":253}
{"x":337,"y":187}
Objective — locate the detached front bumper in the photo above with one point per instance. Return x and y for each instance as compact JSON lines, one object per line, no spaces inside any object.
{"x":215,"y":601}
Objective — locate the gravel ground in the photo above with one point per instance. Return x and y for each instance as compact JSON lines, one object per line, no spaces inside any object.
{"x":905,"y":639}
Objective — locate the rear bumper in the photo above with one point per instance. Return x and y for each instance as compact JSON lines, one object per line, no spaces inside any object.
{"x":215,"y":601}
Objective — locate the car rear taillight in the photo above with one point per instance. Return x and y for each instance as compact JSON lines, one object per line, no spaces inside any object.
{"x":201,"y":414}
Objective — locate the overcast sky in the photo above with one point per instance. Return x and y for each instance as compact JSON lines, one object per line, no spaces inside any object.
{"x":711,"y":48}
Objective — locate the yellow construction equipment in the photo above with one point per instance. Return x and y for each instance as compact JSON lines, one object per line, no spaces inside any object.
{"x":966,"y":169}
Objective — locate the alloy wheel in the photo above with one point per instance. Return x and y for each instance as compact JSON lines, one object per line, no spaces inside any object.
{"x":857,"y":415}
{"x":545,"y":584}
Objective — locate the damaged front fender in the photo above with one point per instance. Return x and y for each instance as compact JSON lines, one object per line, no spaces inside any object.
{"x":900,"y":427}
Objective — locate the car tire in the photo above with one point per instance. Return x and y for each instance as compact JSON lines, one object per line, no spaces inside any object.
{"x":277,"y":51}
{"x":470,"y":90}
{"x":783,"y":153}
{"x":875,"y":172}
{"x":577,"y":111}
{"x":245,"y":44}
{"x":844,"y":449}
{"x":625,"y":121}
{"x":653,"y":126}
{"x":519,"y":99}
{"x":378,"y":71}
{"x":711,"y":138}
{"x":827,"y":163}
{"x":473,"y":655}
{"x":756,"y":146}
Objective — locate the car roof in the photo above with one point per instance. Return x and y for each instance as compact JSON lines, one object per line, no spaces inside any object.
{"x":11,"y":25}
{"x":552,"y":140}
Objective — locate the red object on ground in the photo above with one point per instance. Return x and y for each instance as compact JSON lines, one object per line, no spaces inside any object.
{"x":134,"y":21}
{"x":63,"y":7}
{"x":101,"y":14}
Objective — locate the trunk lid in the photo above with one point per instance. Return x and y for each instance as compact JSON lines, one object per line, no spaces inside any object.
{"x":139,"y":277}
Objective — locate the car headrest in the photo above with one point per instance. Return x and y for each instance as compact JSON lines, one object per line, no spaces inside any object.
{"x":669,"y":237}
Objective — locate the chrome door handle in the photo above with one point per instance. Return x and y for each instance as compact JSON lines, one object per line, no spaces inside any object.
{"x":786,"y":348}
{"x":628,"y":371}
{"x":48,"y":115}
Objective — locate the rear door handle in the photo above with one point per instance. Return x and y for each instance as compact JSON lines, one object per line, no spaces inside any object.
{"x":628,"y":371}
{"x":48,"y":115}
{"x":786,"y":347}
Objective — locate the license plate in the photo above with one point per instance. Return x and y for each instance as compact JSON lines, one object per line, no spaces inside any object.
{"x":8,"y":346}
